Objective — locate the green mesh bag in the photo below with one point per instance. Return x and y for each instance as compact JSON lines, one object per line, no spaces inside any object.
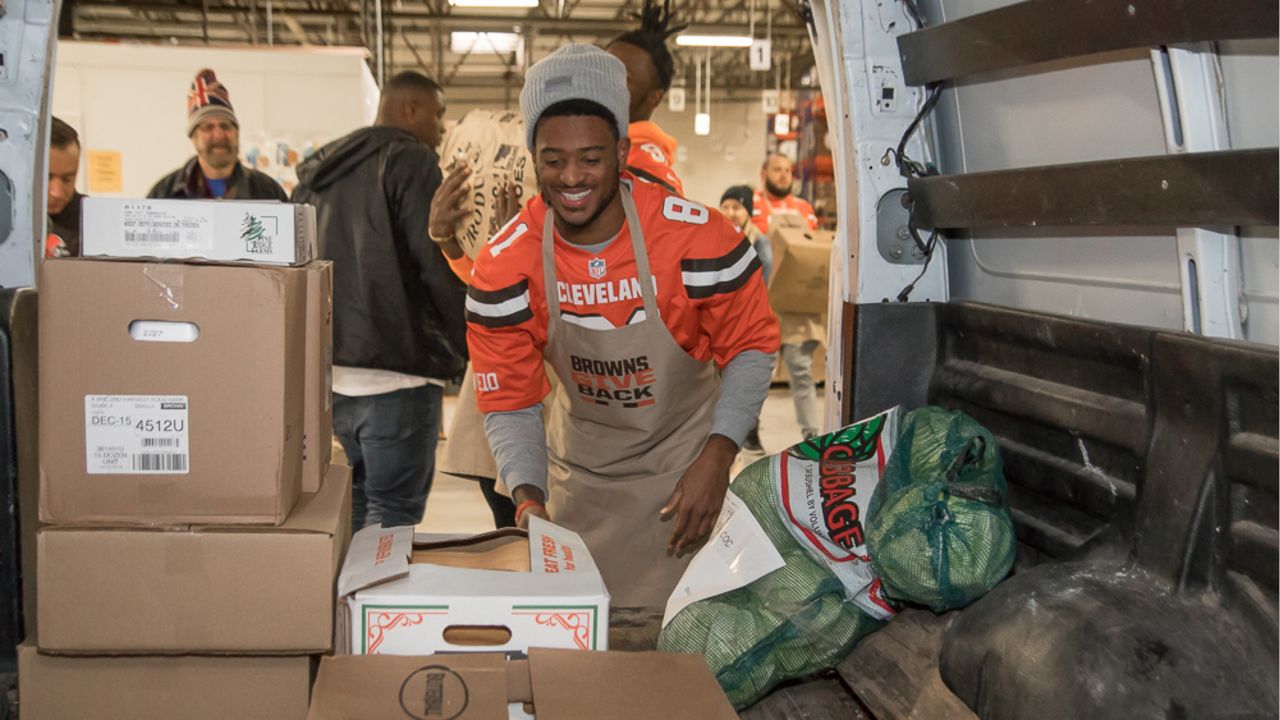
{"x":939,"y":530}
{"x":791,"y":622}
{"x":937,"y":533}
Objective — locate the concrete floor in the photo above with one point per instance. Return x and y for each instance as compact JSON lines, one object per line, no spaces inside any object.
{"x":456,"y":506}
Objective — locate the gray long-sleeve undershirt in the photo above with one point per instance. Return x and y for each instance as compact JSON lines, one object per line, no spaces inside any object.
{"x":519,"y":442}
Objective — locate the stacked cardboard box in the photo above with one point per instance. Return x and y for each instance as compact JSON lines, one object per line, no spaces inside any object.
{"x":196,"y":525}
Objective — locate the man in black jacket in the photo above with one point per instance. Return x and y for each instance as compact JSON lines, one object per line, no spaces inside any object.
{"x":215,"y":172}
{"x":398,"y":326}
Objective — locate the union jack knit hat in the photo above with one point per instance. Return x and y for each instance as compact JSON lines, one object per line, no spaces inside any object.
{"x":208,"y":98}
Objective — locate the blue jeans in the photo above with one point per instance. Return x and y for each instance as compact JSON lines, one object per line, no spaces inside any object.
{"x":390,"y":440}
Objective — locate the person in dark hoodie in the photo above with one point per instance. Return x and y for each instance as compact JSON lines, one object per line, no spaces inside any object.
{"x":398,"y":321}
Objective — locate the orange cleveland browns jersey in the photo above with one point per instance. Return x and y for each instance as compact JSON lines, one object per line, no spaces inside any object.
{"x":653,"y":155}
{"x":711,"y":295}
{"x":763,"y":205}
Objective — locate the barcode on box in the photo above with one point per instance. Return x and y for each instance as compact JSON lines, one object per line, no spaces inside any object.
{"x":160,"y":462}
{"x":151,"y":237}
{"x":160,"y":442}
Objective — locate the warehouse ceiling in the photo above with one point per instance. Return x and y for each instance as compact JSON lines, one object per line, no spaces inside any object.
{"x":418,"y":34}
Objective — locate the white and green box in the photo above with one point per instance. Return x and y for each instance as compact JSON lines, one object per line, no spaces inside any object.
{"x":501,"y":591}
{"x":225,"y":231}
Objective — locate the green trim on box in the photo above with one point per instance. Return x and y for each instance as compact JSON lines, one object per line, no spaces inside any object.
{"x":595,"y":617}
{"x":364,"y":618}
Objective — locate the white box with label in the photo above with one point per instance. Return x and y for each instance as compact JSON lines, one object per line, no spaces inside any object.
{"x":230,"y":231}
{"x":506,"y":590}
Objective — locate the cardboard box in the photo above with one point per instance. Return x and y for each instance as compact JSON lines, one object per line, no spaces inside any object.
{"x":317,"y":433}
{"x":500,"y":591}
{"x":196,"y":589}
{"x":556,"y":684}
{"x":228,"y":231}
{"x":161,"y":688}
{"x":170,"y":393}
{"x":801,"y":270}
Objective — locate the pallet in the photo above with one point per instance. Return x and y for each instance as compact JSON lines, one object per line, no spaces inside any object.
{"x":894,"y":671}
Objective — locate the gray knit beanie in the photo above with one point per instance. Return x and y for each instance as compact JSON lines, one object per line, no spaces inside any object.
{"x":575,"y":72}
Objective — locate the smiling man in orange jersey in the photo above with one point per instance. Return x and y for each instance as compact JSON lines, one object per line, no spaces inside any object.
{"x":636,"y":297}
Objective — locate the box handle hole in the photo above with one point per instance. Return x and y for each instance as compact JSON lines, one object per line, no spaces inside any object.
{"x":477,"y":635}
{"x":163,"y":331}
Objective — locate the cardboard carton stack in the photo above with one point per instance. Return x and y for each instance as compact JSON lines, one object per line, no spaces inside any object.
{"x":195,"y":524}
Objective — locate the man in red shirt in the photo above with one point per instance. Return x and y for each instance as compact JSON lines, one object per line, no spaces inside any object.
{"x":650,"y":68}
{"x":776,"y":198}
{"x":651,"y":311}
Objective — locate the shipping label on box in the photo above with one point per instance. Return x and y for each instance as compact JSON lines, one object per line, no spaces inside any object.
{"x":235,"y":231}
{"x":499,"y":591}
{"x":136,"y":434}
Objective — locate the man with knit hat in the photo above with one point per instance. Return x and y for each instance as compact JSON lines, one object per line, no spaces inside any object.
{"x":635,"y":297}
{"x":736,"y":204}
{"x":215,"y":172}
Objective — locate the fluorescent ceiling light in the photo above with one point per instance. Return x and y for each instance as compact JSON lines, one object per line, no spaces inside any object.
{"x":461,"y":43}
{"x":494,"y":3}
{"x":739,"y":41}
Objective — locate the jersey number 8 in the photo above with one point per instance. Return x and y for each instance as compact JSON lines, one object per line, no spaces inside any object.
{"x":685,"y":211}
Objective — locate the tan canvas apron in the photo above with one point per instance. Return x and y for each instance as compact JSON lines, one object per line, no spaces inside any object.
{"x":615,"y":458}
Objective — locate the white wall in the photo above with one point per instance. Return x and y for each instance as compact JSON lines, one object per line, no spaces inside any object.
{"x":133,"y":99}
{"x":730,"y":155}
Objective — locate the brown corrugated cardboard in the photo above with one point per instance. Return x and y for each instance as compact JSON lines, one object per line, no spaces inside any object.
{"x":317,"y":436}
{"x":560,"y":684}
{"x":227,"y":231}
{"x":140,"y":423}
{"x":163,"y":688}
{"x":197,"y":589}
{"x":801,"y":270}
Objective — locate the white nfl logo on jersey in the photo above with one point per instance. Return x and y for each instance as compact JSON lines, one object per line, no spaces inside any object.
{"x":596,"y":267}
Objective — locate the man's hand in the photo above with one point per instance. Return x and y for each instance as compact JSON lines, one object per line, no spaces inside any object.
{"x":695,"y":503}
{"x":531,"y":494}
{"x":448,"y":209}
{"x":505,"y":207}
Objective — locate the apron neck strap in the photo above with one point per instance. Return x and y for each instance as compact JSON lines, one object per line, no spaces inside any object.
{"x":643,"y":273}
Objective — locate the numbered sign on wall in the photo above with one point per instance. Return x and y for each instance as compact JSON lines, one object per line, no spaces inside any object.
{"x":675,"y":99}
{"x":769,"y":102}
{"x":761,"y":54}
